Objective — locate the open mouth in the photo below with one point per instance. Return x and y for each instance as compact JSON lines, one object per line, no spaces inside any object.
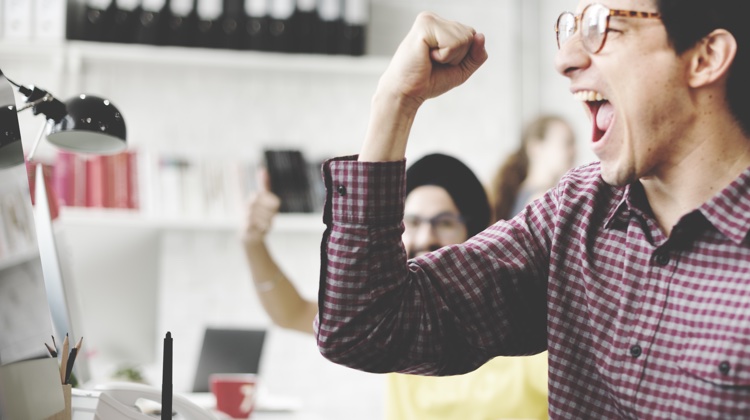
{"x":602,"y":112}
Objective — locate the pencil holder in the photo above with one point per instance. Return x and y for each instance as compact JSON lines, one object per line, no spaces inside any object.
{"x":65,"y":414}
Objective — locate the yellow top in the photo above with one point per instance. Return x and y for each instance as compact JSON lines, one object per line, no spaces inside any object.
{"x":503,"y":388}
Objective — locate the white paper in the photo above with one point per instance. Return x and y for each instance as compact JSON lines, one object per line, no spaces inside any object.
{"x":49,"y":20}
{"x":17,"y":23}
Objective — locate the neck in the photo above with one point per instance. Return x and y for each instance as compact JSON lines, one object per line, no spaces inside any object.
{"x":714,"y":158}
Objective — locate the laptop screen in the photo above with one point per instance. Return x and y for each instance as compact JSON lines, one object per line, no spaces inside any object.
{"x":228,"y":351}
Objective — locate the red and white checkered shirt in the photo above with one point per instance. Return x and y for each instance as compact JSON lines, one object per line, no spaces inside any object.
{"x":637,"y":324}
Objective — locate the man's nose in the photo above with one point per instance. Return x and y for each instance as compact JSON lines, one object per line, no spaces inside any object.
{"x":425,"y":236}
{"x":571,"y":57}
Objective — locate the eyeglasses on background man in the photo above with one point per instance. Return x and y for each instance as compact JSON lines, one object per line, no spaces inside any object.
{"x":446,"y":226}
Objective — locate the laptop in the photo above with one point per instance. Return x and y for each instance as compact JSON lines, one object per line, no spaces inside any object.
{"x":228,"y":351}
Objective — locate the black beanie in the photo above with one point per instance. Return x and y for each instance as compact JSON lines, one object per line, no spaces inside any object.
{"x":462,"y":185}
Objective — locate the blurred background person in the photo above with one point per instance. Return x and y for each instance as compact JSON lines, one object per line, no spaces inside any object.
{"x":546,"y":153}
{"x":445,"y":204}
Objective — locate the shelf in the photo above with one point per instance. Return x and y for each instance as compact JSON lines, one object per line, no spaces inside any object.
{"x":117,"y":218}
{"x":203,"y":57}
{"x":82,"y":52}
{"x":18,"y":258}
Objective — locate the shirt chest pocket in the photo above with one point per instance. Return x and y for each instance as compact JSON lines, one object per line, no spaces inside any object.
{"x":722,"y":360}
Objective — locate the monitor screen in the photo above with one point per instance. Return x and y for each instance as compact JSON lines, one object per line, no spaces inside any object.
{"x":228,"y":350}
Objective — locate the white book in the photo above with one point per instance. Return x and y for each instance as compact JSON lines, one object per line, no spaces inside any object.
{"x":209,"y":9}
{"x":17,"y":20}
{"x":49,"y":20}
{"x":282,"y":9}
{"x":356,"y":12}
{"x":170,"y":186}
{"x":329,"y":10}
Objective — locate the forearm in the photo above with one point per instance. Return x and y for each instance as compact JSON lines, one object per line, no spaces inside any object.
{"x":391,"y":119}
{"x":277,"y":294}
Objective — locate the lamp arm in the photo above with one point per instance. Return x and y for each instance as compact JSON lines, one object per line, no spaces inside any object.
{"x":38,"y":140}
{"x":46,"y":98}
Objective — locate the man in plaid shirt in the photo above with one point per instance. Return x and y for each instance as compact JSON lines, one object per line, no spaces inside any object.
{"x":633,"y":272}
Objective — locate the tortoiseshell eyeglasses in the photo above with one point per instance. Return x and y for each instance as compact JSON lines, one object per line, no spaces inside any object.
{"x":594,"y":25}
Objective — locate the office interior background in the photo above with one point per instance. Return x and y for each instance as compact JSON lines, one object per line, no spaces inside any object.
{"x":140,"y":273}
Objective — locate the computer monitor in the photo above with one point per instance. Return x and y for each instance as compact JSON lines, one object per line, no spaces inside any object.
{"x":36,"y":300}
{"x":228,"y":351}
{"x":61,"y":296}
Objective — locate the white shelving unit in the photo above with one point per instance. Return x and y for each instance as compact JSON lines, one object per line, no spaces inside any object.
{"x":283,"y":223}
{"x":81,"y":52}
{"x":69,"y":60}
{"x":76,"y":54}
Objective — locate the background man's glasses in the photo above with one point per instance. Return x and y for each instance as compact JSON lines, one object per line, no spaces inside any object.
{"x":444,"y":225}
{"x":594,"y":23}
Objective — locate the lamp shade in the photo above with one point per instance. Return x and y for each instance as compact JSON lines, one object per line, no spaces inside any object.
{"x":91,"y":125}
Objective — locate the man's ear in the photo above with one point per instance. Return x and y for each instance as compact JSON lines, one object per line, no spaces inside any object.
{"x":711,"y":58}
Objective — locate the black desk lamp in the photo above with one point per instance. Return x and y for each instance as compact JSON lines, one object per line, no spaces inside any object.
{"x":84,"y":124}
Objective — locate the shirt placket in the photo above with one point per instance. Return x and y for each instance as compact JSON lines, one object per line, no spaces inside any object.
{"x":648,"y":274}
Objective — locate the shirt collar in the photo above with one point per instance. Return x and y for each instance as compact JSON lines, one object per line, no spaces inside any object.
{"x":728,"y":211}
{"x":619,"y":214}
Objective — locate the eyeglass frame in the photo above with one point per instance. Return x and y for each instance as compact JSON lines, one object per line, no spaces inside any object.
{"x":610,"y":14}
{"x":432,"y":221}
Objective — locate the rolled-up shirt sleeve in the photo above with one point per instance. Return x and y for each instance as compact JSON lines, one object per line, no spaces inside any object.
{"x":444,"y":313}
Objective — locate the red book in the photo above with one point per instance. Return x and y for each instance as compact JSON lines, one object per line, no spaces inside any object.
{"x":63,"y":178}
{"x":119,"y":180}
{"x":133,"y":190}
{"x":108,"y":181}
{"x":95,"y":181}
{"x":79,"y":181}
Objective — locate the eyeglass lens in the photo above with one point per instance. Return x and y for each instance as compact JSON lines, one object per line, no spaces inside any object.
{"x":593,"y":27}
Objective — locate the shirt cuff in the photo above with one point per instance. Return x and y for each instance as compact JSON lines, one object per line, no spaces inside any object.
{"x":364,"y":193}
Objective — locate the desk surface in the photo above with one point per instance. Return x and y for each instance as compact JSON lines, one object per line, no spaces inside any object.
{"x":267,"y":405}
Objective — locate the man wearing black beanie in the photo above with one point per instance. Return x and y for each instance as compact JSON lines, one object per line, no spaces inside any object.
{"x":466,"y":191}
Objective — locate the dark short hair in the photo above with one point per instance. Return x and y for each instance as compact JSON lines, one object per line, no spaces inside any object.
{"x":459,"y":181}
{"x":688,"y":21}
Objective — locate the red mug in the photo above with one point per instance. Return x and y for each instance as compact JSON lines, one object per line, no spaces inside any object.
{"x":235,"y":393}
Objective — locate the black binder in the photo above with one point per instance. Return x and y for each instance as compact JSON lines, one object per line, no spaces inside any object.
{"x":97,"y":20}
{"x":232,"y":24}
{"x":122,"y":27}
{"x":181,"y":23}
{"x":280,"y":25}
{"x":354,"y":24}
{"x":208,"y":26}
{"x":256,"y":35}
{"x":329,"y":26}
{"x":150,"y":25}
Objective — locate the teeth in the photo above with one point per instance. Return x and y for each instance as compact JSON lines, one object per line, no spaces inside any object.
{"x":589,"y":96}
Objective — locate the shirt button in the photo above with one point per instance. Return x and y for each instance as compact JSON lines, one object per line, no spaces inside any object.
{"x":661,"y":258}
{"x":341,"y":189}
{"x":636,"y":351}
{"x":724,"y":368}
